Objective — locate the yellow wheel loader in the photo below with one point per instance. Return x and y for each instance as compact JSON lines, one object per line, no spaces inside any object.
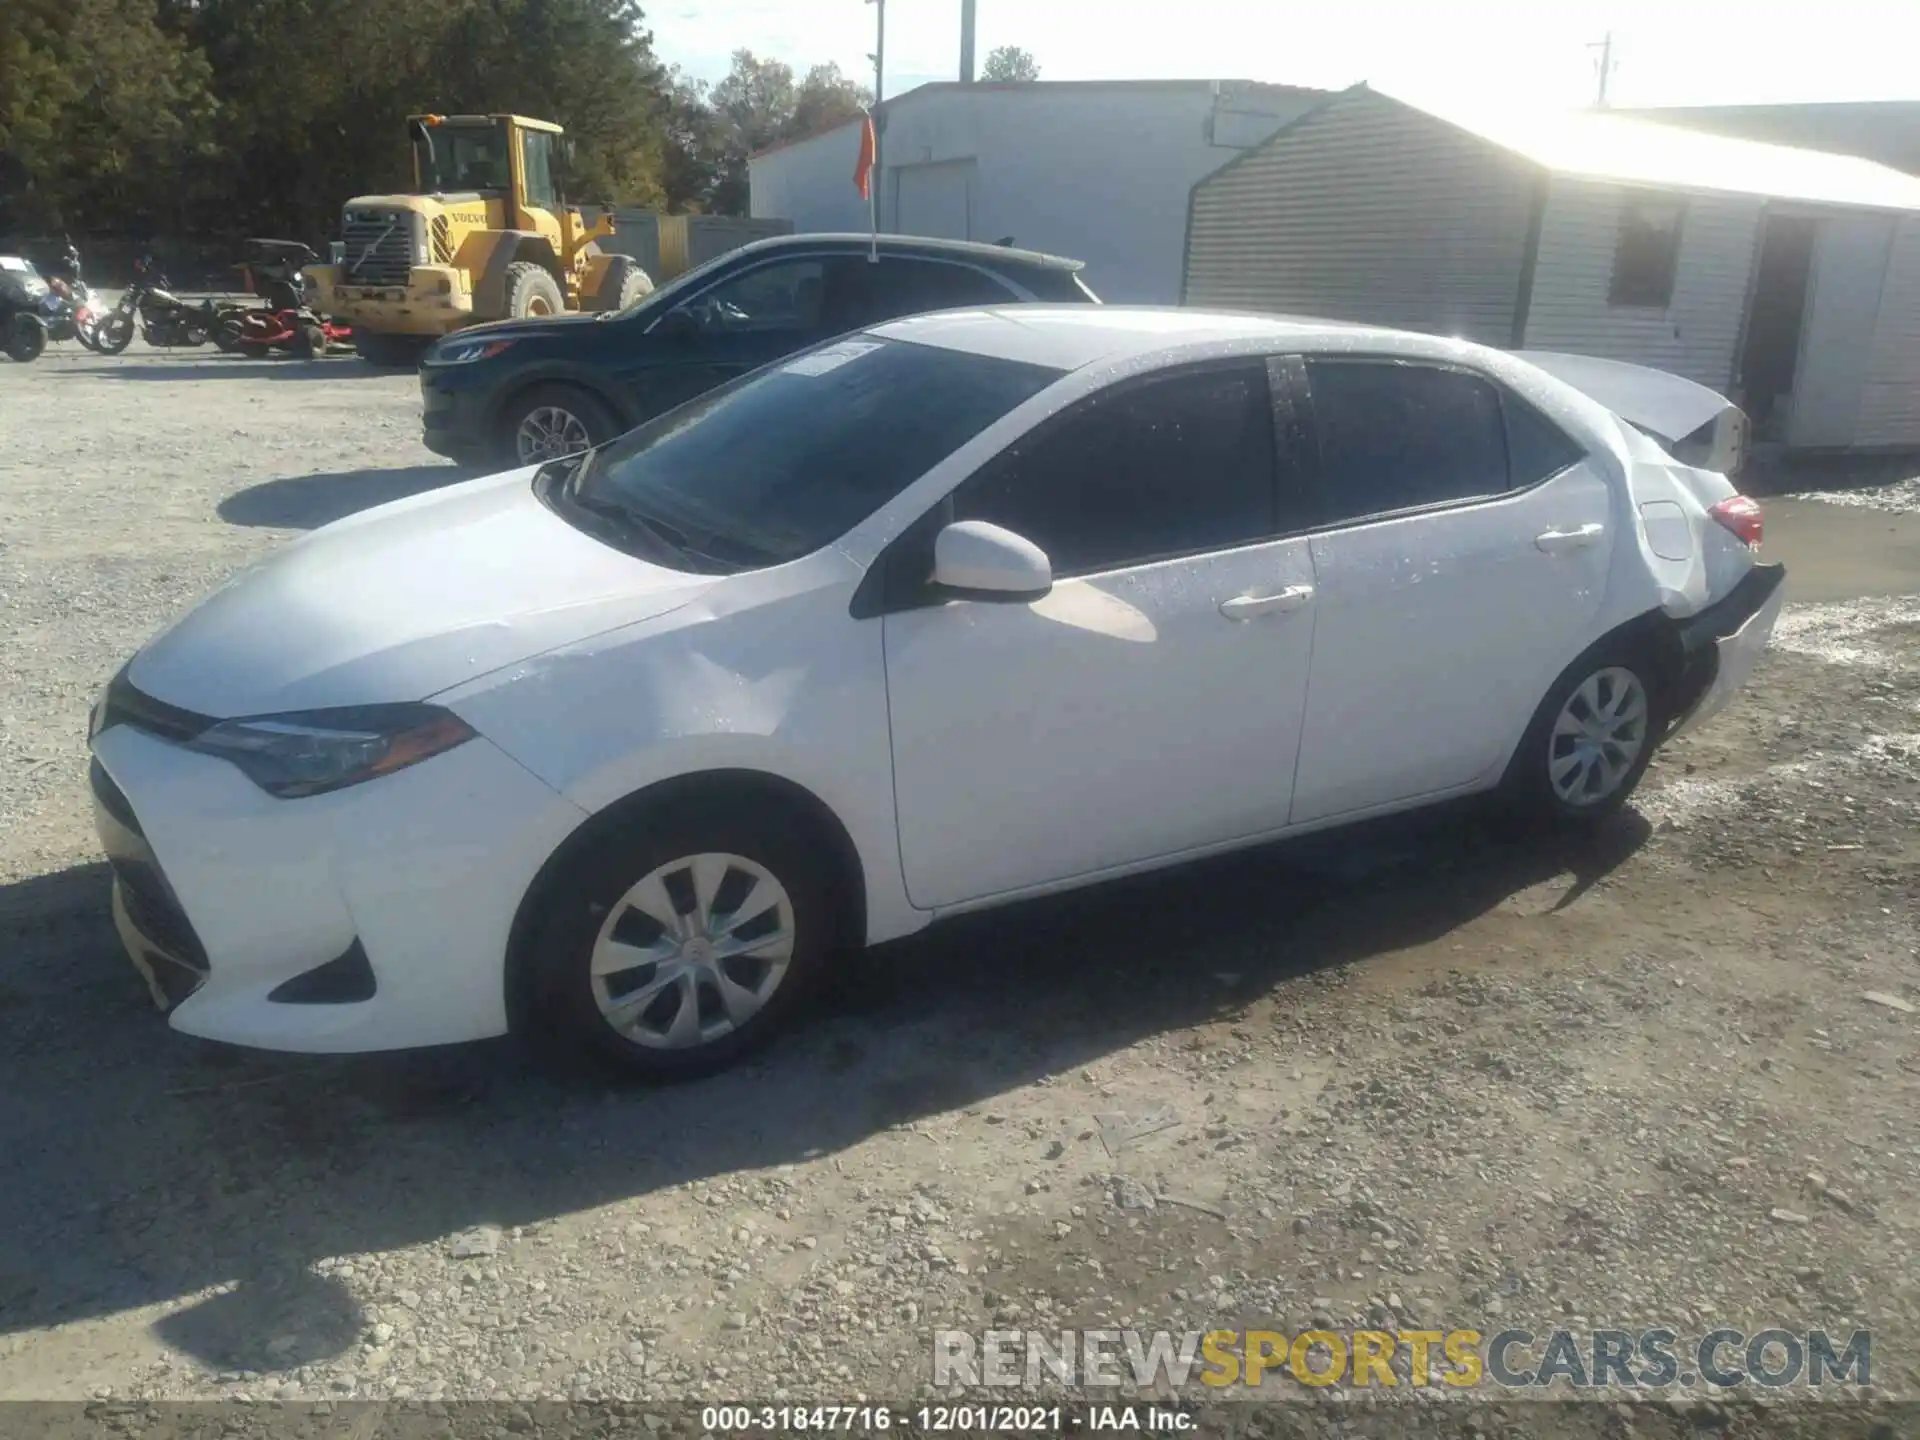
{"x":484,"y":235}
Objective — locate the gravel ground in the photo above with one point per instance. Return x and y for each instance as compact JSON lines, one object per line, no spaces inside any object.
{"x":1421,"y":1075}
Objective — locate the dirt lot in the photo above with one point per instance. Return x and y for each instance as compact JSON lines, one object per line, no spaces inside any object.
{"x":1423,"y":1075}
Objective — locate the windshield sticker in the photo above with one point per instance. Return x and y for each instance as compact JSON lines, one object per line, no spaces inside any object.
{"x":832,"y":358}
{"x":13,"y":262}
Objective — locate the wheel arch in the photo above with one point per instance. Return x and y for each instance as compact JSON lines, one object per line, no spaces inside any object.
{"x":513,"y":246}
{"x":740,"y":787}
{"x":1652,"y":630}
{"x":583,"y":380}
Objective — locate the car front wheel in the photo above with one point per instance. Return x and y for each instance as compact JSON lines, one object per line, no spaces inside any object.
{"x":1592,"y":737}
{"x":553,"y":421}
{"x":679,"y":946}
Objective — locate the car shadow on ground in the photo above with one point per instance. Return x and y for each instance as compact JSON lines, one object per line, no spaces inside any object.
{"x":306,"y":502}
{"x":147,"y":1168}
{"x":201,"y":365}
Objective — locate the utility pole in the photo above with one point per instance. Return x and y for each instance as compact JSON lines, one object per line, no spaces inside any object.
{"x":966,"y":41}
{"x":1605,"y":47}
{"x":879,"y":58}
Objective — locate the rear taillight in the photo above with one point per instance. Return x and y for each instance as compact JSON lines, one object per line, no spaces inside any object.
{"x":1742,"y":516}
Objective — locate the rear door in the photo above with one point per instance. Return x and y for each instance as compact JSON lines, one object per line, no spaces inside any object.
{"x":1460,"y":565}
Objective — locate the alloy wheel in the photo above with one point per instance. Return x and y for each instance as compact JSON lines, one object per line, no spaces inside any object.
{"x":1598,"y":736}
{"x":693,"y":951}
{"x":550,"y":433}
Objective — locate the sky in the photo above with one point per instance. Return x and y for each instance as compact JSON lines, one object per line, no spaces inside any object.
{"x":1524,"y":52}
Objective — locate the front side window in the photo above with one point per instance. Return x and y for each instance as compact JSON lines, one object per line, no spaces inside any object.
{"x":536,"y":151}
{"x":779,"y":463}
{"x":785,"y":296}
{"x":1166,"y":466}
{"x":1398,"y":436}
{"x":1646,"y":252}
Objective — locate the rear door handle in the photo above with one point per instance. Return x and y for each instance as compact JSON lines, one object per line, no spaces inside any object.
{"x":1245,"y":607}
{"x":1555,"y":541}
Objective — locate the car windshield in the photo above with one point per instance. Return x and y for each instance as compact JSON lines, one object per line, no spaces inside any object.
{"x":776,"y":464}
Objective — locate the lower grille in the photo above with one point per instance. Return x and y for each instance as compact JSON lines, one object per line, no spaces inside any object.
{"x":156,"y":914}
{"x":379,"y":248}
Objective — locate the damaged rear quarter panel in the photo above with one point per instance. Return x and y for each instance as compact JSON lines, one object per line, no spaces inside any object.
{"x":763,"y":673}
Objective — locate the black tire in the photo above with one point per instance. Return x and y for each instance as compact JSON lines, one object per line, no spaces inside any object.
{"x":114,"y":333}
{"x":226,"y":334}
{"x":1528,"y":788}
{"x":252,"y":349}
{"x":390,"y":352}
{"x":588,"y":901}
{"x":623,"y":284}
{"x":517,"y":424}
{"x":531,"y":291}
{"x":309,"y":341}
{"x":26,"y":338}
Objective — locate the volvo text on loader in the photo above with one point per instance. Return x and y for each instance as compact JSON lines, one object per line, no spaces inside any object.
{"x":484,"y":235}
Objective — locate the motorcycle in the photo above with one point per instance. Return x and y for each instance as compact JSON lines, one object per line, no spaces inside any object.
{"x":68,"y":307}
{"x":23,"y":333}
{"x":166,"y":321}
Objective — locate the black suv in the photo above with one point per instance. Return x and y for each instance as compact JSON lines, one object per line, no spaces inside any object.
{"x":521,"y":391}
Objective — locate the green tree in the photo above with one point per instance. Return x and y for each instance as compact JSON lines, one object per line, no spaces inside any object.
{"x":1010,"y":62}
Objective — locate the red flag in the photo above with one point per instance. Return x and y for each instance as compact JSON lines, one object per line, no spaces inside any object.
{"x":863,"y":165}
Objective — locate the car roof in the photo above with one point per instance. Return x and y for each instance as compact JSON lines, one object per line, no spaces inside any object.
{"x":974,"y":250}
{"x":1066,"y":337}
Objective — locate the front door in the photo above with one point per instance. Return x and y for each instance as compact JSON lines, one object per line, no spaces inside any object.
{"x":737,"y":324}
{"x":1461,"y":568}
{"x":1151,"y":703}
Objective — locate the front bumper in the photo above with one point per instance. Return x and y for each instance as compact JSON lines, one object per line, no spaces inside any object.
{"x":1720,"y":646}
{"x":456,"y":418}
{"x":258,"y":920}
{"x":433,"y":302}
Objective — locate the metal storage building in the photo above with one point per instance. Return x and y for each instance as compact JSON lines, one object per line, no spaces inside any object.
{"x":1098,"y":170}
{"x":1788,"y":279}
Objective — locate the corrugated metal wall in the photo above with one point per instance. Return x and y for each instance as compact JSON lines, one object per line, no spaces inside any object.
{"x":1697,"y":335}
{"x":1367,"y":211}
{"x":1890,"y":398}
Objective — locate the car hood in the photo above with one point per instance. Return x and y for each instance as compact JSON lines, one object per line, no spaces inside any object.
{"x":401,"y":602}
{"x":543,"y":328}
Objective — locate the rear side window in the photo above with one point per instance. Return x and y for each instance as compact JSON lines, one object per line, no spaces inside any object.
{"x":1056,"y":287}
{"x":870,"y":293}
{"x":1166,"y":466}
{"x":1397,"y":436}
{"x":1536,"y":447}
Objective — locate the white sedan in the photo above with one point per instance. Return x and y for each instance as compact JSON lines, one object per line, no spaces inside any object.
{"x":961,"y":609}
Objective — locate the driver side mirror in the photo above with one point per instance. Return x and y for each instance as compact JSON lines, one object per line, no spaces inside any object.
{"x":976,"y":560}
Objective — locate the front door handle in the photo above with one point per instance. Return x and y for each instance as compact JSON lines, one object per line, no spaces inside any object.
{"x":1245,"y":607}
{"x":1555,"y":541}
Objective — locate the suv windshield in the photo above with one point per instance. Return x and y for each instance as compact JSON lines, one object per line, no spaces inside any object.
{"x":782,"y":461}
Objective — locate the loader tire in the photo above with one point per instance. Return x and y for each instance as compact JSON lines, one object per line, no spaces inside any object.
{"x":624,"y":284}
{"x":390,"y":352}
{"x":531,"y":291}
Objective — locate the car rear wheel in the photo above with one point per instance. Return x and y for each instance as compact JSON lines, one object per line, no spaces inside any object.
{"x":552,"y":421}
{"x":685,"y":941}
{"x":1592,"y":738}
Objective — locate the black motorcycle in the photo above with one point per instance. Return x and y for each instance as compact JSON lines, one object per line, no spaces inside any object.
{"x":166,"y":321}
{"x":23,"y":333}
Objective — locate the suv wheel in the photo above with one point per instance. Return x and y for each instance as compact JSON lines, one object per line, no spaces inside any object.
{"x":551,"y":421}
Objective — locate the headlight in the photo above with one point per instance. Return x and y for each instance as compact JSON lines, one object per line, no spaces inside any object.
{"x":461,"y":352}
{"x":313,"y":751}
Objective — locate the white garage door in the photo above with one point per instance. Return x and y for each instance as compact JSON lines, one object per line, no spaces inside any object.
{"x":933,"y":199}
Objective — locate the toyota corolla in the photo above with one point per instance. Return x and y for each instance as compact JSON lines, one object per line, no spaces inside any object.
{"x":947,"y":612}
